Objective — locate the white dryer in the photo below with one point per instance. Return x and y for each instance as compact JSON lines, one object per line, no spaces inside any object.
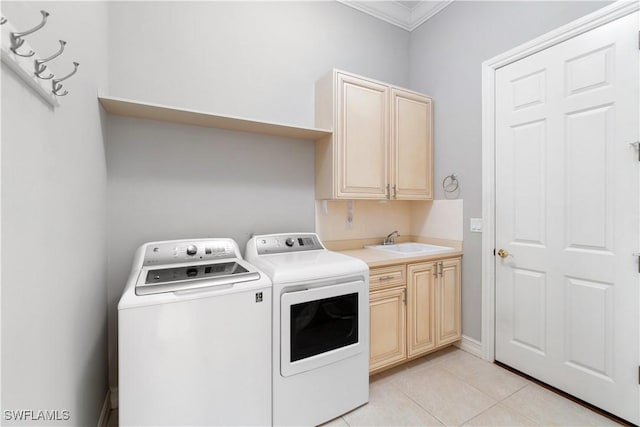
{"x":194,"y":337}
{"x":320,"y":327}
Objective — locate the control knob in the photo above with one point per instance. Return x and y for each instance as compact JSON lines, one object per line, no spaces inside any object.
{"x":289,"y":242}
{"x":192,"y":250}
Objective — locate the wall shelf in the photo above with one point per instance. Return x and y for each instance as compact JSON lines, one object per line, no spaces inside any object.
{"x":144,"y":110}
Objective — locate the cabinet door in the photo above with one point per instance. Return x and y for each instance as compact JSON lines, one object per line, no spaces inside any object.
{"x":411,"y":146}
{"x":448,"y":302}
{"x":387,"y":313}
{"x":420,"y":308}
{"x":362,"y":137}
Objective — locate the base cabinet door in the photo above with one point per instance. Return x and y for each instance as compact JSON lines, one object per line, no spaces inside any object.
{"x":387,"y":313}
{"x":433,"y":305}
{"x":407,"y":321}
{"x":448,"y":299}
{"x":421,"y":322}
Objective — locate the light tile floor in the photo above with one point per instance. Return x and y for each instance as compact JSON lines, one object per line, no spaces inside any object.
{"x":453,"y":388}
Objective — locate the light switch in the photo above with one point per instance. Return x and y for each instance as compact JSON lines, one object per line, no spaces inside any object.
{"x":475,"y":225}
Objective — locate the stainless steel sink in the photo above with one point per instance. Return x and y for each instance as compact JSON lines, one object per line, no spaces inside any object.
{"x":412,"y":248}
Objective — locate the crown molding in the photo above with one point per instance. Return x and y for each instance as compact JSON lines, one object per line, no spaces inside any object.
{"x":394,"y":12}
{"x":426,"y":10}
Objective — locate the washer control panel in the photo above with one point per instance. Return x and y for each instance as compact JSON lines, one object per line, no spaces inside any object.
{"x":188,"y":251}
{"x":287,"y":243}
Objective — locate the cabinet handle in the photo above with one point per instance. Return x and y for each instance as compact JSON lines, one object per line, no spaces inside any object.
{"x":395,"y":192}
{"x":435,"y":269}
{"x":388,"y":193}
{"x":386,"y":278}
{"x":440,"y":269}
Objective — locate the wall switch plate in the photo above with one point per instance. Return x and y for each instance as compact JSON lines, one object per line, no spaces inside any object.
{"x":475,"y":225}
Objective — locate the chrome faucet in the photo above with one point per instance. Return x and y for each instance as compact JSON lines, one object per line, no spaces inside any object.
{"x":389,"y":240}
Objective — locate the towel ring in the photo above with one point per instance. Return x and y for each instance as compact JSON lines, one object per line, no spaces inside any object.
{"x":450,"y":183}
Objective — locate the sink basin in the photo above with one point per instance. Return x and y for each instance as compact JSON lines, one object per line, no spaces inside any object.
{"x":412,"y":248}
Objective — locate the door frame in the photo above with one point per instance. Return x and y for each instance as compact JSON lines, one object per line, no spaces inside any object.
{"x":582,"y":25}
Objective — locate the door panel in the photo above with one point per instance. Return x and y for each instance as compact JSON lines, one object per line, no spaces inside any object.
{"x":448,"y":299}
{"x":589,"y":139}
{"x":363,"y":122}
{"x":528,"y":314}
{"x":387,"y":329}
{"x":528,"y":181}
{"x":589,"y":342}
{"x":411,"y":145}
{"x":421,"y":301}
{"x":567,"y":209}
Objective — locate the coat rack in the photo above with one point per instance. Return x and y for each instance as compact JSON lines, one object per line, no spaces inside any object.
{"x":32,"y":68}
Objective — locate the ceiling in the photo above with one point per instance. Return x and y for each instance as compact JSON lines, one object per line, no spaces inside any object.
{"x":408,"y":15}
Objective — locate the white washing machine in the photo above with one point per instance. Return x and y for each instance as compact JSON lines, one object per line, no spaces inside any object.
{"x":320,"y":327}
{"x":194,"y":337}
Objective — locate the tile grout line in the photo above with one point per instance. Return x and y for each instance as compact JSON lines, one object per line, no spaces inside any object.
{"x":497,"y":401}
{"x":527,"y":381}
{"x":417,"y":403}
{"x":527,"y":384}
{"x":477,"y":415}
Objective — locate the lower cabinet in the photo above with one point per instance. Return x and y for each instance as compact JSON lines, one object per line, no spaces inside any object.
{"x":413,"y":317}
{"x":387,"y":311}
{"x":433,"y":299}
{"x":421,"y":301}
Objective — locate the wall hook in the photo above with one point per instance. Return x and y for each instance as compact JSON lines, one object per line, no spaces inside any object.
{"x":39,"y":63}
{"x":17,"y":37}
{"x":55,"y":83}
{"x":3,"y":20}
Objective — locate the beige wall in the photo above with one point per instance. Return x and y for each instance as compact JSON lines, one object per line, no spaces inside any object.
{"x":440,"y":219}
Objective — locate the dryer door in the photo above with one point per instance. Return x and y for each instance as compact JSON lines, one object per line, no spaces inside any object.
{"x":322,"y":325}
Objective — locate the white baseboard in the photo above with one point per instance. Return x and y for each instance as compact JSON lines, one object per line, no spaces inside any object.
{"x":470,"y":346}
{"x":103,"y":421}
{"x":114,"y":397}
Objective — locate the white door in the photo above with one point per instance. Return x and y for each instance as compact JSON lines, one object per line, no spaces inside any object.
{"x":567,"y":215}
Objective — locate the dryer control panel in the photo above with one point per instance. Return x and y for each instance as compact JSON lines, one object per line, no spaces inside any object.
{"x":178,"y":251}
{"x":287,"y":243}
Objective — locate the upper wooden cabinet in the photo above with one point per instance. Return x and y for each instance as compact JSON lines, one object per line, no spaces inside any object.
{"x":381,"y":146}
{"x":411,"y":145}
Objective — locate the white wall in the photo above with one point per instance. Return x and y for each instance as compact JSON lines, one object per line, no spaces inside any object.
{"x":259,"y":60}
{"x":54,"y":320}
{"x":446,"y":56}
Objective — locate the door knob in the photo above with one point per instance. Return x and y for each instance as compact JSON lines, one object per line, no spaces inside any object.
{"x":503,"y":254}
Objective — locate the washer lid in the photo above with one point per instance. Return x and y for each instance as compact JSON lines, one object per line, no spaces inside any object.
{"x":194,"y":276}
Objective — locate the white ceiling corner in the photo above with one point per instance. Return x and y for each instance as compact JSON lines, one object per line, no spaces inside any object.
{"x":407,"y":15}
